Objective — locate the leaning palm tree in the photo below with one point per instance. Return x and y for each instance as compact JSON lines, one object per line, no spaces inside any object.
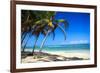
{"x":36,"y":22}
{"x":33,"y":22}
{"x":28,"y":19}
{"x":48,"y":27}
{"x":56,"y":25}
{"x":25,"y":25}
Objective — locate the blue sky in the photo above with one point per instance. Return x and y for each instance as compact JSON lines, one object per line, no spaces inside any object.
{"x":77,"y":32}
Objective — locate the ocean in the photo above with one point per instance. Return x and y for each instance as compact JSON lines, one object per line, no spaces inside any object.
{"x":63,"y":48}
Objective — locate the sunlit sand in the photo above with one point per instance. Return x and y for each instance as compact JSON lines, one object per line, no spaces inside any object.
{"x":55,"y":56}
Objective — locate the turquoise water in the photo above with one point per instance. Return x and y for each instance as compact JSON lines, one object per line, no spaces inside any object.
{"x":69,"y":47}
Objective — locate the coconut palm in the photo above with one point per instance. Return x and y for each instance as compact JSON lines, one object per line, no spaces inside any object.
{"x":36,"y":22}
{"x":25,"y":25}
{"x":33,"y":22}
{"x":56,"y":25}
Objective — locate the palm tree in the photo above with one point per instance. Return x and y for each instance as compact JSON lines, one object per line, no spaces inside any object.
{"x":56,"y":25}
{"x":36,"y":22}
{"x":33,"y":22}
{"x":25,"y":25}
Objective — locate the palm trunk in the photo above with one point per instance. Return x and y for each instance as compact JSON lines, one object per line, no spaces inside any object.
{"x":44,"y":40}
{"x":62,"y":30}
{"x":35,"y":44}
{"x":53,"y":34}
{"x":24,"y":37}
{"x":26,"y":43}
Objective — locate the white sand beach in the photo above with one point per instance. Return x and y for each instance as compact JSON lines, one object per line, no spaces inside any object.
{"x":50,"y":56}
{"x":84,"y":55}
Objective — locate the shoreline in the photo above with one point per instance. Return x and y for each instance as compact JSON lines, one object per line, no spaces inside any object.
{"x":53,"y":56}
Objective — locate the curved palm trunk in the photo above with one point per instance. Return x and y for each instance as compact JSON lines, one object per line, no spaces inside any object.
{"x":44,"y":40}
{"x":35,"y":44}
{"x":22,"y":33}
{"x":26,"y":43}
{"x":53,"y":34}
{"x":23,"y":37}
{"x":62,"y":30}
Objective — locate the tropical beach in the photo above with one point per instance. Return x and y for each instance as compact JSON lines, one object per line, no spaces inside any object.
{"x":52,"y":55}
{"x":46,"y":57}
{"x":50,"y":36}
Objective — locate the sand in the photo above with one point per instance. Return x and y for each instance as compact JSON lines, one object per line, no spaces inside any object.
{"x":54,"y":56}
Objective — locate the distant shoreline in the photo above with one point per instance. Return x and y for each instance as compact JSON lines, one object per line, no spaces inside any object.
{"x":83,"y":46}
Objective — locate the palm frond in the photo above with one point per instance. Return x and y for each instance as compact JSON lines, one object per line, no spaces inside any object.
{"x":64,"y":32}
{"x":64,"y":22}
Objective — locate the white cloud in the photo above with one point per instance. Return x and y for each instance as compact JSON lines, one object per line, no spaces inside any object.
{"x":78,"y":42}
{"x":75,"y":42}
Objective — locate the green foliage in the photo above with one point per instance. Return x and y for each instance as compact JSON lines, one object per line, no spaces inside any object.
{"x":37,"y":22}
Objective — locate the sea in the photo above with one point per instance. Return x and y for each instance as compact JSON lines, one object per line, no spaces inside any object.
{"x":63,"y":48}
